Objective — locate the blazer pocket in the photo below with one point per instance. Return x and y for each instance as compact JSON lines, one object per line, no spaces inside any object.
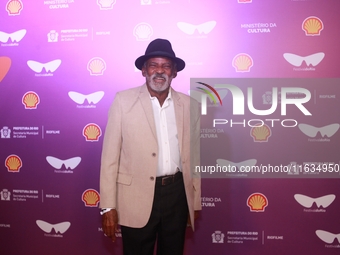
{"x":125,"y":179}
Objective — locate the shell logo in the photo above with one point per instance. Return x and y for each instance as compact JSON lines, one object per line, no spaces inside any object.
{"x":13,"y":163}
{"x":242,"y":62}
{"x":92,"y":132}
{"x":312,"y":26}
{"x":5,"y":64}
{"x":14,"y":7}
{"x":106,"y":4}
{"x":257,"y":202}
{"x":260,"y":133}
{"x":96,"y":66}
{"x":142,"y":31}
{"x":30,"y":100}
{"x":90,"y":197}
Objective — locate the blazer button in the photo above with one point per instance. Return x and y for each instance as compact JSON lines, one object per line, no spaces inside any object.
{"x":152,"y":178}
{"x":153,"y":154}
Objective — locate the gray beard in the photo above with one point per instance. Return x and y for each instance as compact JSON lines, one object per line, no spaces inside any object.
{"x":156,"y":86}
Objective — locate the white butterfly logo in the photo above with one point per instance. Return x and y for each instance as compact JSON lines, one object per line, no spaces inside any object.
{"x":307,"y":202}
{"x":15,"y":36}
{"x":297,"y":60}
{"x":312,"y":131}
{"x":327,"y":237}
{"x":59,"y":227}
{"x":245,"y":163}
{"x":91,"y":98}
{"x":49,"y":66}
{"x":58,"y":163}
{"x":202,"y":28}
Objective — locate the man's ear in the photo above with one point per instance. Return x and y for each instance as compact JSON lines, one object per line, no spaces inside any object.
{"x":143,"y":71}
{"x":174,"y":74}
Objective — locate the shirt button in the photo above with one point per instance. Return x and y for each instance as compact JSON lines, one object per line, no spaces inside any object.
{"x":154,"y":154}
{"x":152,"y":178}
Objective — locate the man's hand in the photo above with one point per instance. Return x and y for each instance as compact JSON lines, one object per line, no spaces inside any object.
{"x":110,"y":224}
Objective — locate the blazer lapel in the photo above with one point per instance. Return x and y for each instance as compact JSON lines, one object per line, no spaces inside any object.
{"x":179,"y":117}
{"x":144,"y":97}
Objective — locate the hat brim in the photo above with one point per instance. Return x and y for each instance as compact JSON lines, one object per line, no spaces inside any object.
{"x":180,"y":64}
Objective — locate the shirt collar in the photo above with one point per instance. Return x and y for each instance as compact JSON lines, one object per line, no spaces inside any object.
{"x":167,"y":98}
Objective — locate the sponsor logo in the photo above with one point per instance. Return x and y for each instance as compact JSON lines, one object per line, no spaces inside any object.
{"x":13,"y":163}
{"x":15,"y":37}
{"x":106,"y":4}
{"x":145,"y":2}
{"x":242,"y":62}
{"x":257,"y":202}
{"x":59,"y":228}
{"x":30,"y":100}
{"x":70,"y":163}
{"x":92,"y":132}
{"x":5,"y":195}
{"x":90,"y":197}
{"x":5,"y":64}
{"x":143,"y":31}
{"x":312,"y":26}
{"x":210,"y":201}
{"x":52,"y":36}
{"x":49,"y":67}
{"x":244,"y":1}
{"x":14,"y":7}
{"x":5,"y":132}
{"x":329,"y":238}
{"x":92,"y":98}
{"x":312,"y":131}
{"x":217,"y":237}
{"x":308,"y":202}
{"x":256,"y":28}
{"x":96,"y":66}
{"x":190,"y":29}
{"x":261,"y":132}
{"x":310,"y":61}
{"x":60,"y":4}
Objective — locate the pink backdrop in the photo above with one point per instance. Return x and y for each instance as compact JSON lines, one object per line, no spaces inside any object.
{"x":61,"y":63}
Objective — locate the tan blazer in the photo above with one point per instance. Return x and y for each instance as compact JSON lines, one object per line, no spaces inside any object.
{"x":129,"y":157}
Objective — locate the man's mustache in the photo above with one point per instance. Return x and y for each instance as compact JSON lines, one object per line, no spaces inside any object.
{"x":157,"y":75}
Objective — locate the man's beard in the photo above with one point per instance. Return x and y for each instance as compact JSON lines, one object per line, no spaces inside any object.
{"x":158,"y":86}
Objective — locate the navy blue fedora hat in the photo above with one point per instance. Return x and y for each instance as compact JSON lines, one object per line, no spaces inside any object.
{"x":159,"y":48}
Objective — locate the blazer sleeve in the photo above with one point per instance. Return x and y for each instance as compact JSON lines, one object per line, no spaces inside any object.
{"x":195,"y":153}
{"x":110,"y":156}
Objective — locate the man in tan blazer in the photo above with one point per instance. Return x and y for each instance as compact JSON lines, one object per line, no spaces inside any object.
{"x":151,"y":146}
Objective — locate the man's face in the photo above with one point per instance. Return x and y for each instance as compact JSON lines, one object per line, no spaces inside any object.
{"x":159,"y":72}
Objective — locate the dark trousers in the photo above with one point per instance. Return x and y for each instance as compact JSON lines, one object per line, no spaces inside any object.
{"x":167,"y":224}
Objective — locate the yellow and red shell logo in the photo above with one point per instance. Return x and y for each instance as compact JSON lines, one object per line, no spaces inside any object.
{"x":90,"y":198}
{"x":13,"y":163}
{"x":92,"y":132}
{"x":242,"y":62}
{"x":30,"y":100}
{"x":14,"y":7}
{"x":257,"y":202}
{"x":312,"y":26}
{"x":260,"y":133}
{"x":96,"y":66}
{"x":5,"y":64}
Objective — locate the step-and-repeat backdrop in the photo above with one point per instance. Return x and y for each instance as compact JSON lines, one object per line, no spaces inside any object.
{"x":265,"y":73}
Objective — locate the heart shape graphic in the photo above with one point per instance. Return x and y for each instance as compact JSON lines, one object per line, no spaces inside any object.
{"x":5,"y":64}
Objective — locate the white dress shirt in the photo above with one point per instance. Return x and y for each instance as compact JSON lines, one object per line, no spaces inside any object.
{"x":169,"y":158}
